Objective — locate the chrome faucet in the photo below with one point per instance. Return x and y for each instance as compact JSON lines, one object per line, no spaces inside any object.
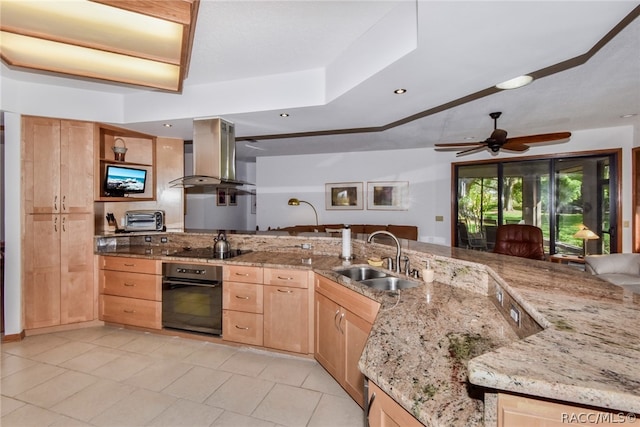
{"x":395,"y":239}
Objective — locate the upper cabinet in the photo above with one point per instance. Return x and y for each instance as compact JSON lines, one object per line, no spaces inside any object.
{"x":58,"y":156}
{"x":132,"y":155}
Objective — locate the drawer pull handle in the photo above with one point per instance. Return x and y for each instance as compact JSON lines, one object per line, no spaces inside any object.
{"x":240,"y":327}
{"x":129,"y":265}
{"x":285,"y":278}
{"x":242,"y":274}
{"x":285,"y":291}
{"x":129,"y":311}
{"x":240,"y":297}
{"x":130,"y":284}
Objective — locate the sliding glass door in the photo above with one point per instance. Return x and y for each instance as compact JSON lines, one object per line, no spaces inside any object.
{"x":562,"y":196}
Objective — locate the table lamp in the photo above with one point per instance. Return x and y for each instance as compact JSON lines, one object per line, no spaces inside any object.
{"x":585,"y":234}
{"x":296,"y":202}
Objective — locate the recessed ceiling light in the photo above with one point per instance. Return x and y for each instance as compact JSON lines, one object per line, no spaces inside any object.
{"x":284,"y":114}
{"x":399,"y":91}
{"x":167,"y":125}
{"x":628,"y":116}
{"x":515,"y":83}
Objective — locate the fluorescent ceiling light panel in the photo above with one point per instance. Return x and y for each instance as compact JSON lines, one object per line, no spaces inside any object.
{"x":90,"y":39}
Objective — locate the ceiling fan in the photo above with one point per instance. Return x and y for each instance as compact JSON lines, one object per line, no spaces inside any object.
{"x":498,"y":140}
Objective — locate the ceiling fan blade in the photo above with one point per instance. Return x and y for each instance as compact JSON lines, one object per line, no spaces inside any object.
{"x":544,"y":137}
{"x":458,"y":144}
{"x":515,"y":146}
{"x":471,"y":150}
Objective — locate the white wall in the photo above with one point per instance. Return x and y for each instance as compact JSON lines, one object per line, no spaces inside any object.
{"x":428,"y":173}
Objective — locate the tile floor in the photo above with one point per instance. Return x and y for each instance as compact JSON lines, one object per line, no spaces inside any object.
{"x":108,"y":377}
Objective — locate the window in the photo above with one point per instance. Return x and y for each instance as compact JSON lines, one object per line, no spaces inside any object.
{"x":558,"y":194}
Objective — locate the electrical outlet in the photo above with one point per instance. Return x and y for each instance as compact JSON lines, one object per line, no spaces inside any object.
{"x":147,"y":239}
{"x":306,"y":246}
{"x":164,"y":239}
{"x":499,"y":295}
{"x":515,"y":314}
{"x":439,"y":218}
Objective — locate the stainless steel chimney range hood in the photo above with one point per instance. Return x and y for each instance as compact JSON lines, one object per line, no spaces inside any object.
{"x":214,"y":156}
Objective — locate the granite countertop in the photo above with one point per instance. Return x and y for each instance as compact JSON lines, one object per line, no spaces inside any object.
{"x":435,"y":348}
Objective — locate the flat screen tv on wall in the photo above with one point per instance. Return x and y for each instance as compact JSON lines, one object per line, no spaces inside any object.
{"x":121,"y":181}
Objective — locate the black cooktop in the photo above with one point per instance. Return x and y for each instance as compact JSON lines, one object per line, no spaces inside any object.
{"x":207,"y":253}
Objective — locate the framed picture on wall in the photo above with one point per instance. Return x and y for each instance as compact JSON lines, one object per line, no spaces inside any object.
{"x":233,"y":197}
{"x":344,"y":196}
{"x":221,"y":200}
{"x":388,"y":195}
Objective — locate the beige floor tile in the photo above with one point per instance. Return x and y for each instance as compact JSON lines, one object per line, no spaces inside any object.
{"x":23,"y":380}
{"x":57,"y":389}
{"x":63,"y":421}
{"x":29,"y":416}
{"x":11,"y":364}
{"x":91,"y":360}
{"x":116,"y":339}
{"x":184,"y":413}
{"x":88,"y":334}
{"x":94,"y":400}
{"x":123,"y":367}
{"x":158,"y":375}
{"x":337,"y":412}
{"x":62,"y":353}
{"x":197,"y":384}
{"x":320,"y":380}
{"x":240,"y":394}
{"x":288,"y":405}
{"x":231,"y":419}
{"x":288,"y":370}
{"x":145,"y":343}
{"x":211,"y":355}
{"x":176,"y":348}
{"x":36,"y":344}
{"x":8,"y":405}
{"x":137,"y":409}
{"x":246,"y":363}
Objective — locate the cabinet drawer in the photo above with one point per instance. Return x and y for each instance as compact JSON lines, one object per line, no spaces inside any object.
{"x":241,"y":273}
{"x":133,"y":285}
{"x":242,"y":327}
{"x":245,"y":297}
{"x":286,"y":277}
{"x":134,"y":265}
{"x":131,"y":311}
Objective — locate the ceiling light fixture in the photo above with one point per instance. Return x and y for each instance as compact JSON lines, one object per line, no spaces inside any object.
{"x":168,"y":125}
{"x":400,"y":91}
{"x":515,"y":83}
{"x":284,"y":114}
{"x":628,"y":116}
{"x":126,"y":42}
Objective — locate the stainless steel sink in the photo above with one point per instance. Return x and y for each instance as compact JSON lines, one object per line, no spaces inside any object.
{"x":389,"y":283}
{"x":361,"y":273}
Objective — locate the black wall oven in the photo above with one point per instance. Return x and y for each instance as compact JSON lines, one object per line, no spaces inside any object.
{"x":192,"y":297}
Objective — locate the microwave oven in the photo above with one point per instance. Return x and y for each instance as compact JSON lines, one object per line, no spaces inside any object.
{"x":144,"y":221}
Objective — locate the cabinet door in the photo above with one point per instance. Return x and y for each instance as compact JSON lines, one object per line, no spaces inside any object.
{"x":77,"y":284}
{"x":238,"y":326}
{"x":41,"y":164}
{"x":41,"y":261}
{"x":286,"y":318}
{"x":355,"y":331}
{"x":385,"y":412}
{"x":76,"y":167}
{"x":328,"y":340}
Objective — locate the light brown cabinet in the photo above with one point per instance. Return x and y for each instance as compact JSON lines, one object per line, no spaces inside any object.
{"x":383,"y":411}
{"x":286,"y":310}
{"x":131,"y":291}
{"x":343,"y":320}
{"x":524,"y":411}
{"x":58,"y":261}
{"x":242,"y":305}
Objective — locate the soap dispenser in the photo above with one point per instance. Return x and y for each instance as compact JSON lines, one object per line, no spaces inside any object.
{"x":427,"y":273}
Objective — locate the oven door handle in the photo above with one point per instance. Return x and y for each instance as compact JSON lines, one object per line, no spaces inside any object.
{"x":176,"y":283}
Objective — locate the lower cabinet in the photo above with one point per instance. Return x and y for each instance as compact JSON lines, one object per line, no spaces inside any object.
{"x":343,"y":320}
{"x":524,"y":411}
{"x":242,"y":305}
{"x":131,"y":291}
{"x":383,"y":411}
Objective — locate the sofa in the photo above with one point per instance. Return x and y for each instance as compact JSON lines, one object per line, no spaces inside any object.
{"x":400,"y":231}
{"x":619,"y":269}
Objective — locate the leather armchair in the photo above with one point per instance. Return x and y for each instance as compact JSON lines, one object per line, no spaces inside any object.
{"x":521,"y":240}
